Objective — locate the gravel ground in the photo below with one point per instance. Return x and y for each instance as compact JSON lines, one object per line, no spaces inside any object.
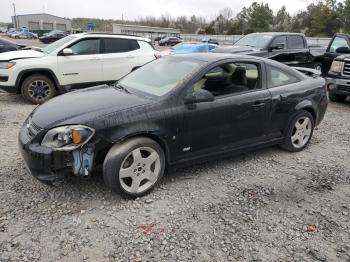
{"x":268,"y":205}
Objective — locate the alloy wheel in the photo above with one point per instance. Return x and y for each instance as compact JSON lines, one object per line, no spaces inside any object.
{"x":39,"y":90}
{"x":301,"y":132}
{"x":140,"y":170}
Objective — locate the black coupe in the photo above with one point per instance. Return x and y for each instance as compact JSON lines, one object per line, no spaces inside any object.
{"x":172,"y":111}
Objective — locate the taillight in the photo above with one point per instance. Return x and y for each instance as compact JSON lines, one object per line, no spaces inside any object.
{"x":157,"y":55}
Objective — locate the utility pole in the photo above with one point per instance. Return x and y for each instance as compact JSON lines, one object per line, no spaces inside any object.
{"x":15,"y":16}
{"x":122,"y":19}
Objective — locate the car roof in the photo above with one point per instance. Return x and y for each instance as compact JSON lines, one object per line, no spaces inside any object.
{"x":278,"y":33}
{"x":124,"y":36}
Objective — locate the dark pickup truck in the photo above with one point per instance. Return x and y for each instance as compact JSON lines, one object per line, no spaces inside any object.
{"x":289,"y":48}
{"x":336,"y":67}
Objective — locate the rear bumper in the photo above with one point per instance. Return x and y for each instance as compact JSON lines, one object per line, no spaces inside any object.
{"x":338,"y":86}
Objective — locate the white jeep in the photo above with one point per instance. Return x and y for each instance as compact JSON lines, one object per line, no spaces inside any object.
{"x":76,"y":61}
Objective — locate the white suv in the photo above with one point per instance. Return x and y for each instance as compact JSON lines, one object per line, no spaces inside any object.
{"x":76,"y":61}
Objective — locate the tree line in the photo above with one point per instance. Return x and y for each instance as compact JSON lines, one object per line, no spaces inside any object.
{"x":322,"y":18}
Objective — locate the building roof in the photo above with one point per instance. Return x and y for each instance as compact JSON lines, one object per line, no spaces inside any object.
{"x":43,"y":14}
{"x":146,"y":28}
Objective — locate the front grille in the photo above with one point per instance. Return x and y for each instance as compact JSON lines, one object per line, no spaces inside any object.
{"x":33,"y":129}
{"x":30,"y":130}
{"x":346,"y":70}
{"x":344,"y":88}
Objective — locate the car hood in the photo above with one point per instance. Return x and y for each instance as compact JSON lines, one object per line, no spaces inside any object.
{"x":236,"y":49}
{"x":84,"y":106}
{"x":20,"y":54}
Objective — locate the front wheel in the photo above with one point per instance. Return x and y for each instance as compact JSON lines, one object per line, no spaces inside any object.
{"x":134,"y":167}
{"x":318,"y":66}
{"x":336,"y":97}
{"x":38,"y":89}
{"x":299,"y":132}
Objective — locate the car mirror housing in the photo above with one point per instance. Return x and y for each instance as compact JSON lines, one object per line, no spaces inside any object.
{"x":277,"y":47}
{"x":343,"y":50}
{"x":67,"y":52}
{"x":199,"y":96}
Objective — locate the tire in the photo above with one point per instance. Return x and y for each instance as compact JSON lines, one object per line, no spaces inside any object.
{"x":38,"y":89}
{"x":318,"y":66}
{"x":336,"y":97}
{"x":122,"y":157}
{"x":305,"y":130}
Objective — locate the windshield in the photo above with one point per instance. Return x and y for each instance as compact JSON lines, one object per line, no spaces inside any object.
{"x":58,"y":43}
{"x":254,"y":40}
{"x":160,"y":76}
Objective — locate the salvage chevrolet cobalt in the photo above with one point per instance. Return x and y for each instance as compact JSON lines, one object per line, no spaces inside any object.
{"x":172,"y":111}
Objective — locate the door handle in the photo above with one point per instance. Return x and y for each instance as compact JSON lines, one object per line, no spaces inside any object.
{"x":95,"y":59}
{"x":130,"y":56}
{"x":283,"y":98}
{"x":258,"y":104}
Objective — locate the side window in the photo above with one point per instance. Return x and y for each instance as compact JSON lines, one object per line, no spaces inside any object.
{"x":338,"y":42}
{"x":277,"y":77}
{"x":86,"y":47}
{"x":296,"y":42}
{"x":279,"y":40}
{"x":231,"y":78}
{"x":119,"y":45}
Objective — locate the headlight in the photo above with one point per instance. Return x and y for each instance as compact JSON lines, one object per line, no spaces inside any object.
{"x":336,"y":66}
{"x":6,"y":65}
{"x":67,"y":138}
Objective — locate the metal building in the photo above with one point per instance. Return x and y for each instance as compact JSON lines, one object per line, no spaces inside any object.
{"x":145,"y":31}
{"x":41,"y":22}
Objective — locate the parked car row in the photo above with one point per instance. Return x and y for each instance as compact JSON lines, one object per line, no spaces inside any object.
{"x":52,"y":36}
{"x":23,"y":34}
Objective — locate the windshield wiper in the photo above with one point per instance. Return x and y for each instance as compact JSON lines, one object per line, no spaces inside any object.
{"x":120,"y":87}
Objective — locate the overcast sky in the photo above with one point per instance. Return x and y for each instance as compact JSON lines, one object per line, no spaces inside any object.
{"x":131,"y":9}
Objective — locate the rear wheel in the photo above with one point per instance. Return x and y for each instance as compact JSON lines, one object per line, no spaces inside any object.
{"x":299,"y":132}
{"x":134,"y":167}
{"x":336,"y":97}
{"x":38,"y":89}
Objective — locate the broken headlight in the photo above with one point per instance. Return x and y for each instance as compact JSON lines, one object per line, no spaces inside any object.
{"x":67,"y":138}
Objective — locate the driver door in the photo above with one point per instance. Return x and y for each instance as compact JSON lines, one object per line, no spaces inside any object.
{"x":236,"y":117}
{"x":84,"y":67}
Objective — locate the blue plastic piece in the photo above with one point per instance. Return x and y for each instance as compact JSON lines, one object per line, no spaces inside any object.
{"x":83,"y":161}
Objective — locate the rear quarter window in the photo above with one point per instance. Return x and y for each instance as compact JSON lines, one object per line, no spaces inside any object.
{"x":277,"y":77}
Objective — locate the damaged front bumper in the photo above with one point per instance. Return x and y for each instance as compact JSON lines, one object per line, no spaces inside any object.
{"x":48,"y":165}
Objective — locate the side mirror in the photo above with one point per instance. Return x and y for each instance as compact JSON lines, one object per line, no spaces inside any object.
{"x":199,"y":96}
{"x":277,"y":47}
{"x":67,"y":52}
{"x":343,"y":50}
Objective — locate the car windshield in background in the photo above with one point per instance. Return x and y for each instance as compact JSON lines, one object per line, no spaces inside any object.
{"x":254,"y":40}
{"x":57,"y":44}
{"x":160,"y":76}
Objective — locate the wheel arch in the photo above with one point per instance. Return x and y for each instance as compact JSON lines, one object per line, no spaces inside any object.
{"x":28,"y":72}
{"x":162,"y":143}
{"x":307,"y":106}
